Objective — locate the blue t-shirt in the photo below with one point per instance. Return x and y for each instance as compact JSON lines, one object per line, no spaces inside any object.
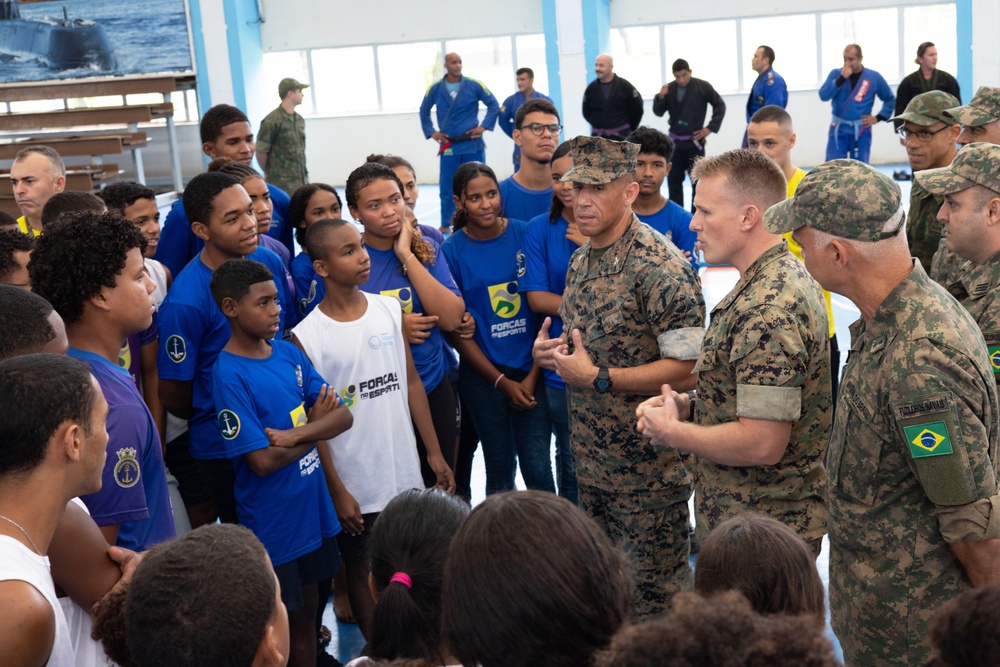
{"x":674,"y":222}
{"x":520,"y":203}
{"x":547,"y":252}
{"x":192,"y":332}
{"x":289,"y":510}
{"x":309,"y":286}
{"x":488,"y":272}
{"x":178,"y":245}
{"x":134,"y":483}
{"x":387,"y":279}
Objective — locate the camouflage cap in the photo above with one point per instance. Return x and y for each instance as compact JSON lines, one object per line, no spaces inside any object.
{"x":984,"y":108}
{"x":928,"y":108}
{"x":290,"y":84}
{"x":843,"y":198}
{"x":975,"y":164}
{"x":598,"y":161}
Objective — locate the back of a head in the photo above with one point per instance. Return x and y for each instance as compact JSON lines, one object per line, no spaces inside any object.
{"x":964,"y":632}
{"x":408,"y":544}
{"x":530,"y":579}
{"x":39,"y":393}
{"x":202,"y":599}
{"x":764,"y":560}
{"x":24,"y":322}
{"x":751,"y":177}
{"x":721,"y":631}
{"x":7,"y":221}
{"x":12,"y":241}
{"x":68,"y":203}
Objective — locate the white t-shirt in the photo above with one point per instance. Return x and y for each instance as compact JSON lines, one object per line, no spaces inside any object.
{"x":19,"y":563}
{"x":158,"y":274}
{"x":365,"y":361}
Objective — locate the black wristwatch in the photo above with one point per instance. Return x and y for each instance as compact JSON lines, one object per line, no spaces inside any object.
{"x":602,"y":383}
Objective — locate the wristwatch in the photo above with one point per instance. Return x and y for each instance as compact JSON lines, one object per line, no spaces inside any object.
{"x":602,"y":383}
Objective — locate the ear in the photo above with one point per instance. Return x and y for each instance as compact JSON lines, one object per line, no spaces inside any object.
{"x":354,"y":213}
{"x":751,"y":217}
{"x":60,"y":183}
{"x":229,"y":307}
{"x":372,"y":588}
{"x":268,"y":651}
{"x":631,"y":192}
{"x":516,"y":136}
{"x":100,"y":300}
{"x":791,"y":140}
{"x":208,"y":148}
{"x":319,"y":266}
{"x":667,"y":170}
{"x":200,"y":229}
{"x":993,"y":211}
{"x":457,"y":200}
{"x":954,"y":131}
{"x":840,"y":252}
{"x":69,"y":438}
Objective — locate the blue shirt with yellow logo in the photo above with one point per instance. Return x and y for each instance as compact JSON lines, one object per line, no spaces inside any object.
{"x":488,"y":272}
{"x":387,"y":279}
{"x":290,"y":510}
{"x":134,"y":484}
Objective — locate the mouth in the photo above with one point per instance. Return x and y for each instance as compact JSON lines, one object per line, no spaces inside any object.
{"x":249,"y":240}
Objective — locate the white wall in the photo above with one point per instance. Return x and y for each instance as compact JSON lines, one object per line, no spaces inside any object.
{"x":635,"y":12}
{"x":986,"y":46}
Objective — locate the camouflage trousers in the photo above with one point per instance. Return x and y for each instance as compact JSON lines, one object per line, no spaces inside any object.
{"x":651,"y":529}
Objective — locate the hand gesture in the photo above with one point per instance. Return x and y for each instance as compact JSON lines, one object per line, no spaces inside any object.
{"x":445,"y":478}
{"x":543,"y":349}
{"x":467,"y":328}
{"x":349,"y":513}
{"x":576,"y":370}
{"x":417,"y":326}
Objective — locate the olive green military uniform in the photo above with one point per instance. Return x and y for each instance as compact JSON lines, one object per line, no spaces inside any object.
{"x":947,"y":267}
{"x":912,"y":459}
{"x":639,"y":303}
{"x":766,"y":356}
{"x":978,"y":294}
{"x":923,"y":229}
{"x":283,"y":137}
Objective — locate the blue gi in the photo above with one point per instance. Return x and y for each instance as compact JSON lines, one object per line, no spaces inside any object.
{"x":455,"y":117}
{"x":848,"y":138}
{"x":769,"y":88}
{"x":508,"y":111}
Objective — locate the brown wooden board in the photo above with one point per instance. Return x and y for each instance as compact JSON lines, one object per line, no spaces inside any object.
{"x":85,"y":117}
{"x":21,"y":92}
{"x":80,"y":145}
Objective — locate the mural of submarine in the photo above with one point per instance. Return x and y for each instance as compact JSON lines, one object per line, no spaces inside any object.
{"x":61,"y":43}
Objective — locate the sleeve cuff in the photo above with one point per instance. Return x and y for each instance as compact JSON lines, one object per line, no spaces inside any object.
{"x":779,"y":404}
{"x":970,"y":523}
{"x":681,"y":344}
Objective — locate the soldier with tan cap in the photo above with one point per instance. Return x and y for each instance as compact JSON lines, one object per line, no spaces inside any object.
{"x":912,"y":488}
{"x":634,"y":320}
{"x":980,"y":118}
{"x":971,"y":216}
{"x":929,"y":136}
{"x":281,"y":140}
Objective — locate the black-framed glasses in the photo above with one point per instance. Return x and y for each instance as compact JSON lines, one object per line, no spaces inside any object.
{"x":923,"y":136}
{"x":538,"y":129}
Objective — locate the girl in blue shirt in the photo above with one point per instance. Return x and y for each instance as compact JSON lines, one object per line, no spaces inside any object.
{"x":410,"y":269}
{"x":497,"y":377}
{"x":552,"y":239}
{"x":311,"y":202}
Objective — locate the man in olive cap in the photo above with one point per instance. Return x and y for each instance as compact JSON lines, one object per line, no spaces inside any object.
{"x":281,"y":140}
{"x":929,"y":136}
{"x":980,"y":118}
{"x":634,"y":320}
{"x":912,"y":488}
{"x":970,"y":187}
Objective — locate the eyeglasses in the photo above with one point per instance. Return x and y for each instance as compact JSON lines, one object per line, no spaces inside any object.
{"x":538,"y":129}
{"x":923,"y":136}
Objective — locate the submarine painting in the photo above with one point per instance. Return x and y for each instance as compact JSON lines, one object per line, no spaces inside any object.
{"x":48,"y":40}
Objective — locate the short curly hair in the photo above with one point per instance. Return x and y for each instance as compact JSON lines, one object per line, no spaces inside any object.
{"x":24,"y":322}
{"x":217,"y":118}
{"x":75,"y":258}
{"x":234,"y":278}
{"x":119,"y":196}
{"x":11,"y":241}
{"x":964,"y":631}
{"x":200,"y":193}
{"x":652,"y":141}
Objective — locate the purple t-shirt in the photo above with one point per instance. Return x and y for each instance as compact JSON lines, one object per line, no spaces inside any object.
{"x":130,"y":356}
{"x":134,"y":483}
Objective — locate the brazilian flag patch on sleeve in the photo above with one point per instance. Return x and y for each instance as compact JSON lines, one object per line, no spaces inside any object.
{"x":930,"y":439}
{"x":995,"y":357}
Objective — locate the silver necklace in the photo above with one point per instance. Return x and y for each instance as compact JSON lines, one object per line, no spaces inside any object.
{"x":18,"y":526}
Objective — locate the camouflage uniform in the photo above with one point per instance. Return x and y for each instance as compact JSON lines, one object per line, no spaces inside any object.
{"x":923,"y":229}
{"x":977,"y":285}
{"x":640,"y":302}
{"x":766,"y":356}
{"x":283,"y":137}
{"x":912,"y":458}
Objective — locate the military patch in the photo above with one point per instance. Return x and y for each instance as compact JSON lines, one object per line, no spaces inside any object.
{"x":127,"y":468}
{"x":995,"y":357}
{"x":176,"y":349}
{"x":229,"y":424}
{"x":298,"y":416}
{"x":929,"y":439}
{"x":505,"y":300}
{"x":404,"y":295}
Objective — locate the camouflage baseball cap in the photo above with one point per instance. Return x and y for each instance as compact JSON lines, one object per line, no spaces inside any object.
{"x":598,"y":161}
{"x":290,"y":84}
{"x":984,"y":108}
{"x":844,"y":198}
{"x":928,"y":108}
{"x":975,"y":164}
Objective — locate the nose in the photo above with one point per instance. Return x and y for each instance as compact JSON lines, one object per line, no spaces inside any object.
{"x":149,"y":284}
{"x":249,"y":221}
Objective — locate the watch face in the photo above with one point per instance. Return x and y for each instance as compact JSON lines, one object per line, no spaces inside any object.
{"x":602,"y":384}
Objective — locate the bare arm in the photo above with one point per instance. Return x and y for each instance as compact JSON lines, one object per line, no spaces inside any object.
{"x":27,"y":626}
{"x":78,"y":554}
{"x":348,"y":510}
{"x":981,"y":560}
{"x":544,"y":303}
{"x":420,"y":412}
{"x":270,"y":459}
{"x":176,"y":397}
{"x":262,"y":160}
{"x":150,"y":389}
{"x":435,"y":297}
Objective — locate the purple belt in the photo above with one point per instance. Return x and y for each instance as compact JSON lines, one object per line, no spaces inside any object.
{"x":611,"y":131}
{"x":685,"y":137}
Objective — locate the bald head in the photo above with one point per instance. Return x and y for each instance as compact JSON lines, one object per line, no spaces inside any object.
{"x":453,"y":66}
{"x":604,"y":67}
